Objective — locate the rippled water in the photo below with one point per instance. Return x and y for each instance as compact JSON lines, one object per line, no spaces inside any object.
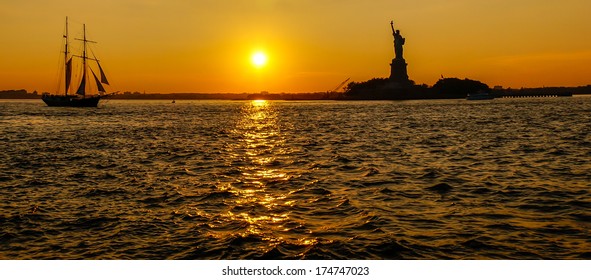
{"x":499,"y":179}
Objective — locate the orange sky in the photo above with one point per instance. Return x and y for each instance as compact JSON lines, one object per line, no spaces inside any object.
{"x":312,"y":45}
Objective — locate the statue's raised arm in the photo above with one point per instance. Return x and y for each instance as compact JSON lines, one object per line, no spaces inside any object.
{"x":392,"y":25}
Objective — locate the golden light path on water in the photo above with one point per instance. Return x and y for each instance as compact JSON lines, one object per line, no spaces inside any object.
{"x":260,"y":201}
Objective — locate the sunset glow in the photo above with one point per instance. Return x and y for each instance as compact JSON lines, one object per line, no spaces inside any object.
{"x":208,"y":46}
{"x":259,"y":59}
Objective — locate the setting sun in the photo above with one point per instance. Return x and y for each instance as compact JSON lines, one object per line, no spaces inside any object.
{"x":259,"y":59}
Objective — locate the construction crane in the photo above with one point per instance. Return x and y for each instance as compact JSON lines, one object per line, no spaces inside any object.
{"x":340,"y":85}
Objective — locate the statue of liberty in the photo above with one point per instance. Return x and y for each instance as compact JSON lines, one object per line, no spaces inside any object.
{"x":398,"y":42}
{"x":398,"y":72}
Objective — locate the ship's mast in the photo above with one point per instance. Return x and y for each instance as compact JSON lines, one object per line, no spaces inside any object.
{"x":84,"y":54}
{"x":82,"y":87}
{"x":66,"y":76}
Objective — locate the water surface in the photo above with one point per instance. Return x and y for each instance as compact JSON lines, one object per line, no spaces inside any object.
{"x":446,"y":179}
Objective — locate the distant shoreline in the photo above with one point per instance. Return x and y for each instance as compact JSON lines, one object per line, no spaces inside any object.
{"x":23,"y":94}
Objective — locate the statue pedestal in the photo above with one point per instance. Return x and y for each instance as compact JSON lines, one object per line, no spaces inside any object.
{"x":398,"y":72}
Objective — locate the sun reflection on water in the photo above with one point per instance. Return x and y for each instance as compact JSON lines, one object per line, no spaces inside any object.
{"x":262,"y":202}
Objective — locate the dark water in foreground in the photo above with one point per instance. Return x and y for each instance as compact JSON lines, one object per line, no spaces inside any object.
{"x":499,"y":179}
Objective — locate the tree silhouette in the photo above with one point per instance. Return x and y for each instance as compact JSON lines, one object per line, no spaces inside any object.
{"x":459,"y":88}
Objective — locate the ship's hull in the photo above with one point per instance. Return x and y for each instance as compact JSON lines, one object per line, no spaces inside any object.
{"x":70,"y":101}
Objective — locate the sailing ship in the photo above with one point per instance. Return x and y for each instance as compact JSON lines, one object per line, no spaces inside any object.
{"x":85,"y":85}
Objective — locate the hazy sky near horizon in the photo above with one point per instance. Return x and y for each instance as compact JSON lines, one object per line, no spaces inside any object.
{"x":312,"y":45}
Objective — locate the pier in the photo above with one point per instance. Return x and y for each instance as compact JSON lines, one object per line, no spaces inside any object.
{"x":532,"y":95}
